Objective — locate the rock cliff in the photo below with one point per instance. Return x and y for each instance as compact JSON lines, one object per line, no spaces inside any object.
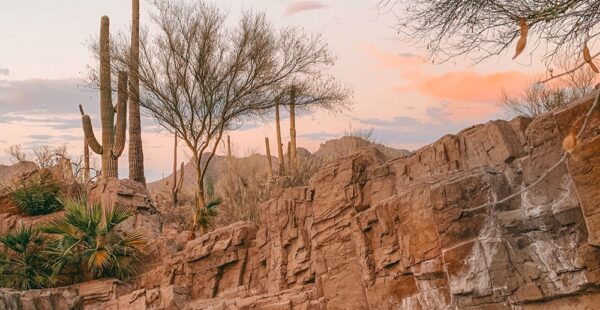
{"x":429,"y":231}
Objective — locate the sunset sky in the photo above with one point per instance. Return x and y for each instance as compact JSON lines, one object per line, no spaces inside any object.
{"x":407,"y":101}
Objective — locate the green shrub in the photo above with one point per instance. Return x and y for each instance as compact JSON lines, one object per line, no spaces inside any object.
{"x":87,"y":246}
{"x":37,"y":198}
{"x":22,"y":263}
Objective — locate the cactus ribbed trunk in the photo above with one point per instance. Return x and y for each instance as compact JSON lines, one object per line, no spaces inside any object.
{"x":176,"y":184}
{"x":279,"y":143}
{"x":86,"y":162}
{"x":107,"y":112}
{"x":136,"y":150}
{"x":229,"y":156}
{"x":289,"y":154}
{"x":113,"y":135}
{"x":293,"y":123}
{"x":269,"y":163}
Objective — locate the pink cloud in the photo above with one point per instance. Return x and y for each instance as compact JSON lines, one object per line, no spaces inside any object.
{"x":392,"y":60}
{"x":463,"y":86}
{"x":303,"y":6}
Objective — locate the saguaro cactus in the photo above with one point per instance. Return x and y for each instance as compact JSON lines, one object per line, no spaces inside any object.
{"x":279,"y":143}
{"x":113,"y":135}
{"x":293,"y":123}
{"x":269,"y":164}
{"x":176,"y":187}
{"x":136,"y":151}
{"x":86,"y":161}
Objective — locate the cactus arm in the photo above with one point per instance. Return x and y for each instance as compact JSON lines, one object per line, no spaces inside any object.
{"x":121,"y":125}
{"x":88,"y":132}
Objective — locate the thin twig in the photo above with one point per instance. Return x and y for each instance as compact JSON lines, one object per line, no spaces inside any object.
{"x":569,"y":71}
{"x":545,"y":174}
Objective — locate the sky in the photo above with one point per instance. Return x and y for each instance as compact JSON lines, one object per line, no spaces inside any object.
{"x":404,"y":99}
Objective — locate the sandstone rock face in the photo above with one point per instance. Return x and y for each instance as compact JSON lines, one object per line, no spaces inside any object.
{"x":133,"y":195}
{"x":422,"y":232}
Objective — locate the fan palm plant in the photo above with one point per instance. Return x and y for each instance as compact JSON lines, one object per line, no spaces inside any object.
{"x":22,"y":265}
{"x":88,"y":246}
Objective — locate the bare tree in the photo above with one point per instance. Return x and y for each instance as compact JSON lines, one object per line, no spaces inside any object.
{"x":201,"y":77}
{"x":538,"y":98}
{"x":16,"y":153}
{"x":483,"y":28}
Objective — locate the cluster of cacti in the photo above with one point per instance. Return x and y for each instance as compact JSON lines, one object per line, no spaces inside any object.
{"x":136,"y":151}
{"x":113,"y":134}
{"x":177,"y":185}
{"x":291,"y":147}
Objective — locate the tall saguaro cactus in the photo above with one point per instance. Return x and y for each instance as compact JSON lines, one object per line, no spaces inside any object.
{"x":113,"y":134}
{"x":86,"y":161}
{"x":269,"y":164}
{"x":279,"y":143}
{"x":136,"y":151}
{"x":293,"y":123}
{"x":176,"y":187}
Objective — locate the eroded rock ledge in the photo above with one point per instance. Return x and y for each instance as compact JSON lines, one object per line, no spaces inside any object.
{"x":369,"y":234}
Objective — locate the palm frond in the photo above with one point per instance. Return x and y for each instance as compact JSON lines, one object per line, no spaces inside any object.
{"x":116,"y":215}
{"x":213,"y":203}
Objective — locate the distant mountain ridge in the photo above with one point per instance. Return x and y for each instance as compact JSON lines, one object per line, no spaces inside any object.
{"x":328,"y":151}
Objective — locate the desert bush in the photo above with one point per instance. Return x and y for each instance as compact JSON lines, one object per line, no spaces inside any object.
{"x":22,"y":262}
{"x":298,"y":173}
{"x":37,"y":198}
{"x":87,"y":246}
{"x":539,"y":98}
{"x":243,"y":184}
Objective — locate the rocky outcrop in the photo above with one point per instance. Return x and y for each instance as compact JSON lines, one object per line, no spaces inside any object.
{"x":9,"y":175}
{"x":429,"y":231}
{"x":23,"y":174}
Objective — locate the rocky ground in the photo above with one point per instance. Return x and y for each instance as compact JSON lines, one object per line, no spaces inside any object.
{"x":373,"y":233}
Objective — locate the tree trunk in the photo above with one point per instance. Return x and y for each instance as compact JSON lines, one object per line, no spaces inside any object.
{"x":200,"y":199}
{"x":293,"y":123}
{"x":279,"y":143}
{"x":136,"y":151}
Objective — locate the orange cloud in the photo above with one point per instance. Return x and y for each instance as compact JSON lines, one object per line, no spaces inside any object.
{"x":467,"y":86}
{"x":462,"y":86}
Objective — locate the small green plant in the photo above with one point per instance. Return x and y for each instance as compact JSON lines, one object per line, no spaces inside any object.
{"x":37,"y":198}
{"x":204,"y":216}
{"x":22,"y":263}
{"x":88,"y":246}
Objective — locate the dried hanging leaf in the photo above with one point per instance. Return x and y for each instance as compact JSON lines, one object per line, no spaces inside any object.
{"x":588,"y":58}
{"x":523,"y":38}
{"x":570,"y":142}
